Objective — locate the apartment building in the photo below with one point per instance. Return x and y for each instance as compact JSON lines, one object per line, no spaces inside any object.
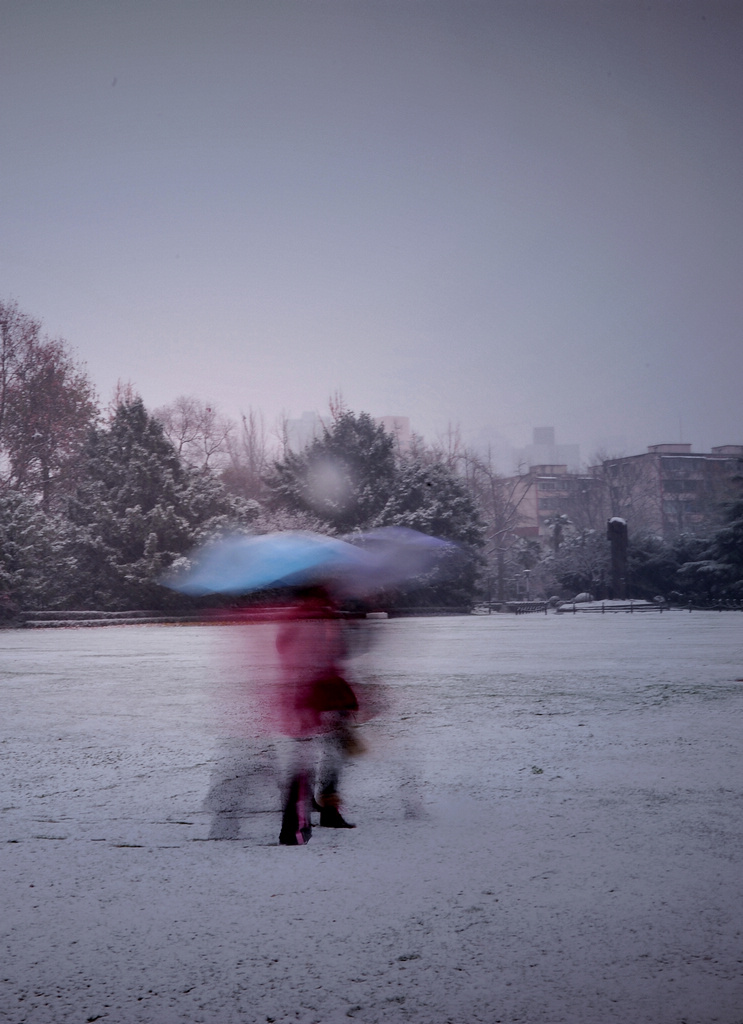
{"x":671,"y":490}
{"x":667,"y":491}
{"x":548,"y":491}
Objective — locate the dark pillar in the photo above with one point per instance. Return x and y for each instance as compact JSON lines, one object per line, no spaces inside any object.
{"x":616,"y":532}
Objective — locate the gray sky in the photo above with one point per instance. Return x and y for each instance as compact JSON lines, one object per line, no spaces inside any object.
{"x":501,"y":215}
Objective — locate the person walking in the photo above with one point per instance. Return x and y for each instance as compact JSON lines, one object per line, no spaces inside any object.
{"x":318,"y":704}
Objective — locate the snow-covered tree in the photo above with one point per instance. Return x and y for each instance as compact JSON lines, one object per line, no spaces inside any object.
{"x":344,"y":477}
{"x":727,"y":547}
{"x":430,"y":497}
{"x":352,"y":478}
{"x":137,"y":508}
{"x":717,"y":575}
{"x":653,"y":565}
{"x":581,"y":564}
{"x":35,"y":561}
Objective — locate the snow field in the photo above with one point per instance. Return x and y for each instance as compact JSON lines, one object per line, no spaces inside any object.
{"x":549,"y":829}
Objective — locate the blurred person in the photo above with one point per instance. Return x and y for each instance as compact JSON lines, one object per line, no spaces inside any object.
{"x":317,"y":704}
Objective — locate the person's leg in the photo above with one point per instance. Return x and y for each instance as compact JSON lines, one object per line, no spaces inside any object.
{"x":296,"y":825}
{"x":335,"y":745}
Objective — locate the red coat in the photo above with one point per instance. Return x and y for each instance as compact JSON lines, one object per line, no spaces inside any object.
{"x":311,"y":685}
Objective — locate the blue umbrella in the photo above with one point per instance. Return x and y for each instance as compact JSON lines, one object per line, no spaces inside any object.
{"x":398,"y":555}
{"x":238,"y":564}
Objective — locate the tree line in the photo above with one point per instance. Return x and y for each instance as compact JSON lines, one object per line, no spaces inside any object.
{"x":96,"y":503}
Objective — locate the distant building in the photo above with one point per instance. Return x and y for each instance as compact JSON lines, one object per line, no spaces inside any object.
{"x":671,"y":490}
{"x":399,"y":427}
{"x":543,"y":451}
{"x":547,"y":491}
{"x":667,"y":491}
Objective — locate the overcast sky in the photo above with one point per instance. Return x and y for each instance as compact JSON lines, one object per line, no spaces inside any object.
{"x":500,"y":215}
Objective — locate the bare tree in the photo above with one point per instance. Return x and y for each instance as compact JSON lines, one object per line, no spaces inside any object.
{"x":499,"y":501}
{"x":586,"y":501}
{"x":47,"y":405}
{"x":450,"y":449}
{"x":337,"y":406}
{"x":125,"y":393}
{"x":631,"y":491}
{"x":249,"y":457}
{"x":18,"y":334}
{"x":199,"y":434}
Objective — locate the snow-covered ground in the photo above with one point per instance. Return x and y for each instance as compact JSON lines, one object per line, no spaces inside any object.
{"x":576,"y":855}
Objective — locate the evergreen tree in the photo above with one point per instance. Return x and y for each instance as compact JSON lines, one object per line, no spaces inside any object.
{"x":344,"y":478}
{"x":428,"y":496}
{"x":35,"y":562}
{"x":717,"y":574}
{"x":351,"y":479}
{"x":727,"y":549}
{"x":653,"y":564}
{"x":136,"y":509}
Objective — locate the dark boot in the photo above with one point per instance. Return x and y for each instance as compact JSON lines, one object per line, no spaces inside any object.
{"x":330,"y":816}
{"x":295,"y":822}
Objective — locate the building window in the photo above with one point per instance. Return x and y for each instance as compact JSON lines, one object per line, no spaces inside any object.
{"x":680,"y":486}
{"x":682,"y":467}
{"x":679,"y":506}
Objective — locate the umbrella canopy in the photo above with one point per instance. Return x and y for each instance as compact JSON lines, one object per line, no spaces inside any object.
{"x":238,"y":564}
{"x":398,"y":555}
{"x":379,"y":559}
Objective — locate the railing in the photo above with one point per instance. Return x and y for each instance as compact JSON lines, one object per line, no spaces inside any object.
{"x":602,"y":607}
{"x":59,"y":619}
{"x":526,"y":607}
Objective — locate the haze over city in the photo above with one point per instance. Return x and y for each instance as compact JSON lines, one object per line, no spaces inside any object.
{"x":498,"y":215}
